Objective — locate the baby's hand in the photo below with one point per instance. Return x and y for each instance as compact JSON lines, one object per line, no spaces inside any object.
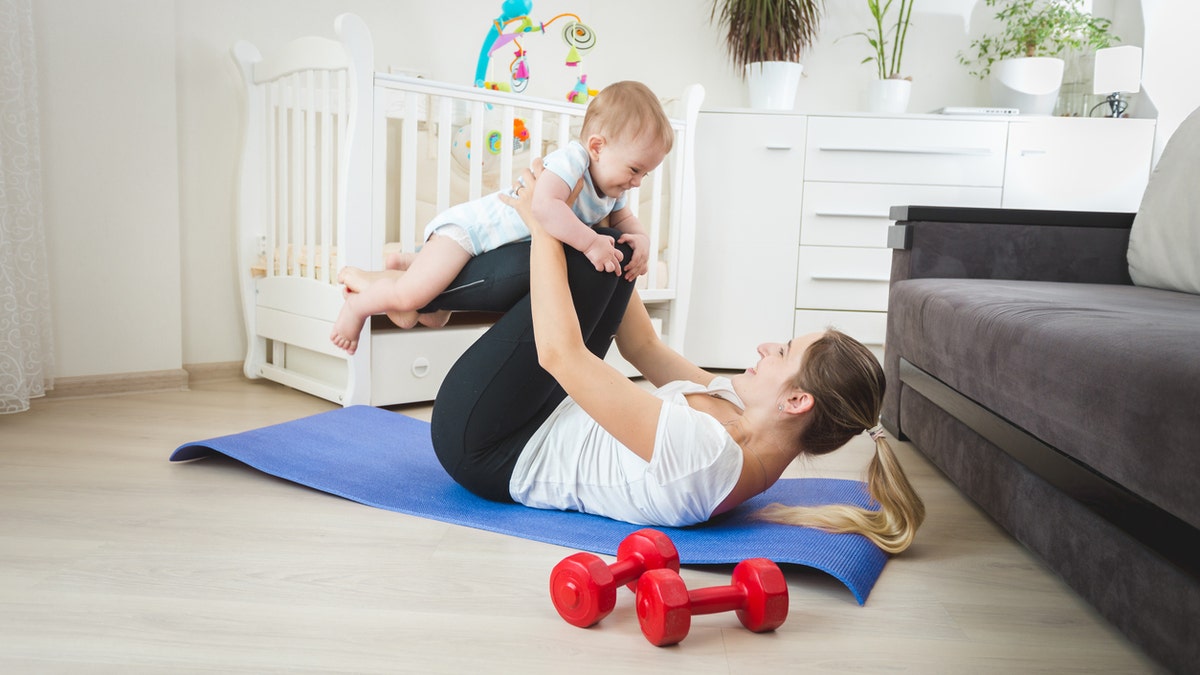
{"x":639,"y":262}
{"x":604,"y":255}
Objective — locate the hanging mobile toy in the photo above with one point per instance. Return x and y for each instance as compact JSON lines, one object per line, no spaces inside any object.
{"x":514,"y":22}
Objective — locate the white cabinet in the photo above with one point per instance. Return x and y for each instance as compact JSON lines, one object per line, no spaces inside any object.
{"x":792,"y":210}
{"x":748,"y":173}
{"x":1078,"y":164}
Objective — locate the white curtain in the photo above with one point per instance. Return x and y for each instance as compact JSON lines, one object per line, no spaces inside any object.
{"x":26,"y":343}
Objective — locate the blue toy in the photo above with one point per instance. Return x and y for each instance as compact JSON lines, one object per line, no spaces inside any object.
{"x":514,"y":22}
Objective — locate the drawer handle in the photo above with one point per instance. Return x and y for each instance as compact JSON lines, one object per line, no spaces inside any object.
{"x":842,"y":277}
{"x":974,"y":152}
{"x":420,"y":366}
{"x":779,"y":147}
{"x":847,"y":214}
{"x":1032,"y":153}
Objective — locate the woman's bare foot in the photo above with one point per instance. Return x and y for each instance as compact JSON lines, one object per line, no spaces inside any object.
{"x":434,"y":319}
{"x":348,"y":325}
{"x":404,"y":319}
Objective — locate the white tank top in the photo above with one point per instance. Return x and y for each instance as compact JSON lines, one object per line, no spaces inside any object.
{"x":573,"y":464}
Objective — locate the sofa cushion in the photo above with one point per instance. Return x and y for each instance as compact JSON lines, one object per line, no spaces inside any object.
{"x":1109,"y":375}
{"x":1165,"y":237}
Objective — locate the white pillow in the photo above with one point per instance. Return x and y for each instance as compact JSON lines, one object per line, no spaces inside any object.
{"x":1164,"y":245}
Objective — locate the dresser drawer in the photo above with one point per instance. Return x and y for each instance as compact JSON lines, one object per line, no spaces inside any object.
{"x":912,"y":151}
{"x":869,"y":328}
{"x":835,"y":277}
{"x":856,"y":214}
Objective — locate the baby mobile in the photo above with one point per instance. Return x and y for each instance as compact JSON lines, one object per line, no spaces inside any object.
{"x":513,"y":23}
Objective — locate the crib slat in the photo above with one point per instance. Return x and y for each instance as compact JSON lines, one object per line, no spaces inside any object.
{"x":339,"y":211}
{"x":271,"y":171}
{"x":535,"y":135}
{"x":296,"y":229}
{"x":408,"y":173}
{"x":477,"y":150}
{"x":326,"y":191}
{"x":506,"y":146}
{"x":310,"y":176}
{"x":444,"y":137}
{"x":564,"y":130}
{"x":281,"y":143}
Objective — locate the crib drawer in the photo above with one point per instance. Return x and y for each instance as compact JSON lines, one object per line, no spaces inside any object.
{"x":911,"y":151}
{"x":409,"y":365}
{"x":868,"y":328}
{"x":856,"y":214}
{"x":835,"y":277}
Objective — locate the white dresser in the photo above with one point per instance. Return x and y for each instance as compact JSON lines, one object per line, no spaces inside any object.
{"x":793,"y":209}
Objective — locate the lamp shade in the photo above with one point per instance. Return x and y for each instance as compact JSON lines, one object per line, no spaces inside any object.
{"x":1118,"y":69}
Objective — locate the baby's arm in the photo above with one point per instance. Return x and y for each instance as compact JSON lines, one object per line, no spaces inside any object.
{"x":634,"y":233}
{"x":551,"y":210}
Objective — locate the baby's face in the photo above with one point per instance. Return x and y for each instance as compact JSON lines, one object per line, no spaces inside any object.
{"x":621,"y":165}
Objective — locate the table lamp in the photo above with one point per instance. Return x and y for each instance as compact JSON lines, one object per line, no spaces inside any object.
{"x":1118,"y":71}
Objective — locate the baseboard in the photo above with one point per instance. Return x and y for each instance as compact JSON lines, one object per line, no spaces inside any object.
{"x":118,"y":383}
{"x":207,"y":372}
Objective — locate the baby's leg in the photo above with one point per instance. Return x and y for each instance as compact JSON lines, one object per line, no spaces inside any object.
{"x":399,"y":261}
{"x":427,"y":275}
{"x":356,"y":279}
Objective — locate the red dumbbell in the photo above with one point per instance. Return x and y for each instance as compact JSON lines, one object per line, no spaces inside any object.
{"x":584,"y":587}
{"x":665,"y":606}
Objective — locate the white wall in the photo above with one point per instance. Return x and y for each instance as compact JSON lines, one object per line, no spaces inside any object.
{"x":106,"y":78}
{"x":140,"y":102}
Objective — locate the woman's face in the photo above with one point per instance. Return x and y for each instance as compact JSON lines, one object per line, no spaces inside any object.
{"x":769,"y":380}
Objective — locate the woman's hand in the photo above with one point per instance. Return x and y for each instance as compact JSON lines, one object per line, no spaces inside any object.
{"x":523,"y":201}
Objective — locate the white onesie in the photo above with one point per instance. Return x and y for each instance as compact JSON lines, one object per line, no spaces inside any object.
{"x":489,"y":223}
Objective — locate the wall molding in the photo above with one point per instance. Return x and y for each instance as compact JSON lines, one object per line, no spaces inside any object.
{"x":118,"y":383}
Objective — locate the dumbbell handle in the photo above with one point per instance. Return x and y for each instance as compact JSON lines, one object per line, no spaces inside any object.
{"x":716,"y":599}
{"x":627,"y":570}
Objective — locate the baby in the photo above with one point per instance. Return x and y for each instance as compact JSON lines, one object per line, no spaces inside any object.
{"x":625,"y":135}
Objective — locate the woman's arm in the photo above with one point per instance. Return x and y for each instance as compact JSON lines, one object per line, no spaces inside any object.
{"x":645,"y":350}
{"x":621,"y":407}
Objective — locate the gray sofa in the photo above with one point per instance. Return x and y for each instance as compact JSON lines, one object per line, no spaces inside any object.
{"x":1061,"y":398}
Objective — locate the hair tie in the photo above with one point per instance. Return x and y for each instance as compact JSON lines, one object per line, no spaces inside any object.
{"x":876,"y":432}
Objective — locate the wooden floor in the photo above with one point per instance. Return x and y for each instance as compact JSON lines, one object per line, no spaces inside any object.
{"x":114,"y":560}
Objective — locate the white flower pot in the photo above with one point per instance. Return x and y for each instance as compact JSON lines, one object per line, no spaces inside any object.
{"x":1029,"y":84}
{"x":772,"y":84}
{"x":888,"y":96}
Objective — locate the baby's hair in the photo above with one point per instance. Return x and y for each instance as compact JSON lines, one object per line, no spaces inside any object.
{"x":627,"y":111}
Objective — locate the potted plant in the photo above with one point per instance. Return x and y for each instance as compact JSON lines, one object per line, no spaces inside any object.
{"x":764,"y":39}
{"x":891,"y":91}
{"x":1024,"y":60}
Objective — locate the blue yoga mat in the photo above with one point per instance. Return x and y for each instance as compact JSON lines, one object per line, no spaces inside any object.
{"x":386,"y":460}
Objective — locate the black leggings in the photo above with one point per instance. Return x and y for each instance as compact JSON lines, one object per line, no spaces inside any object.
{"x":496,"y":396}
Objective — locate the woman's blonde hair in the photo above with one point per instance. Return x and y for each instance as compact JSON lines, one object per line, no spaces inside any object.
{"x":628,"y":111}
{"x":847,"y":384}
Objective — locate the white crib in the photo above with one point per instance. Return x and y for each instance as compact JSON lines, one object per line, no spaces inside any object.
{"x":342,"y":165}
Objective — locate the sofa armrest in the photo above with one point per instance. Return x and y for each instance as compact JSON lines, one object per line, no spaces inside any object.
{"x":971,"y":243}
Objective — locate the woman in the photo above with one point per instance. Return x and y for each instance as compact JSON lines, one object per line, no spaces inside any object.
{"x":531,"y":413}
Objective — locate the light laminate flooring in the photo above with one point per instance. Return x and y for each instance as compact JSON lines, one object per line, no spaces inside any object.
{"x":114,"y":560}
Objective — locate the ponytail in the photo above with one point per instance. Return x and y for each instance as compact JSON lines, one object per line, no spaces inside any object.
{"x":891,"y":528}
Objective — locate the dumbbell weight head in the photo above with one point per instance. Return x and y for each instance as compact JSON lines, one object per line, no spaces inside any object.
{"x":663,"y":608}
{"x":653,"y":548}
{"x":766,"y":590}
{"x":583,"y":589}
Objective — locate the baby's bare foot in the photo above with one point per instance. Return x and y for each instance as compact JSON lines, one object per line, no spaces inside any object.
{"x":347,"y":327}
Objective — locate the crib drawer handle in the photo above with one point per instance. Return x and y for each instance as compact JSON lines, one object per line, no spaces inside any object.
{"x":420,"y":366}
